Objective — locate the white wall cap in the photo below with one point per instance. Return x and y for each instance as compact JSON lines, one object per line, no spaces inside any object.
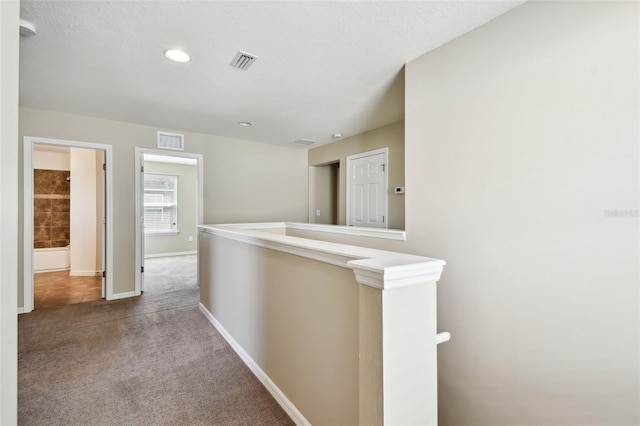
{"x":381,"y":269}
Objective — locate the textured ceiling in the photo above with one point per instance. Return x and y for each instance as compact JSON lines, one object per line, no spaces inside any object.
{"x":323,"y":67}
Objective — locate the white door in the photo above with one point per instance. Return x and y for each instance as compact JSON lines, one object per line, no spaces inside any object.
{"x":367,"y":189}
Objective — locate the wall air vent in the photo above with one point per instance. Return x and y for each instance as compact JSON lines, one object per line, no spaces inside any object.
{"x":174,"y":141}
{"x":243,"y":60}
{"x":303,"y":142}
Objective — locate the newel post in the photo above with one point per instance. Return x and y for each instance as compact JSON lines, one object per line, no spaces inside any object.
{"x":398,"y":361}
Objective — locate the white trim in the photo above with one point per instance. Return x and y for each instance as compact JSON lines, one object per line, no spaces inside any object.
{"x":139,"y":236}
{"x":273,"y":389}
{"x":389,"y":274}
{"x":380,"y":269}
{"x":178,"y":253}
{"x":388,"y":234}
{"x":42,"y":271}
{"x":350,"y":158}
{"x":303,"y":250}
{"x":258,"y":225}
{"x":21,"y":311}
{"x":27,"y":193}
{"x":124,"y":295}
{"x":358,"y":231}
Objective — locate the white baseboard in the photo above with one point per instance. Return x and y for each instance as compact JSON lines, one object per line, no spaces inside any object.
{"x":73,"y":273}
{"x":126,"y":295}
{"x":41,"y":271}
{"x":277,"y":394}
{"x":178,"y":253}
{"x":21,"y":311}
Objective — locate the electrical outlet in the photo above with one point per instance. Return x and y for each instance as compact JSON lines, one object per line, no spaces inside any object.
{"x":318,"y":212}
{"x":190,"y":238}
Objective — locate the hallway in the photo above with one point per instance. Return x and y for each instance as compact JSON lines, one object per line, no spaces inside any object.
{"x":153,"y":359}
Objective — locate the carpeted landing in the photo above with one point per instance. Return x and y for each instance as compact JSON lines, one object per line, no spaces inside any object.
{"x":152,"y":360}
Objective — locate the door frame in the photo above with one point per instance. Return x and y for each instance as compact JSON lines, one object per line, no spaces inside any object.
{"x":349,"y":200}
{"x":139,"y":236}
{"x":27,"y":191}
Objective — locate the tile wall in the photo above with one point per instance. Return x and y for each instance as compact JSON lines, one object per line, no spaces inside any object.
{"x":51,"y":193}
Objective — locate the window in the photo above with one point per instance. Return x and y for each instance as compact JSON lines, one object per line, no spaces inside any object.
{"x":160,"y":204}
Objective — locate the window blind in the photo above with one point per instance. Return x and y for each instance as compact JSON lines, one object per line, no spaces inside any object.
{"x":160,"y":203}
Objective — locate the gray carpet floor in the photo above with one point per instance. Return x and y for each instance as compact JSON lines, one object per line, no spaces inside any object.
{"x":151,"y":360}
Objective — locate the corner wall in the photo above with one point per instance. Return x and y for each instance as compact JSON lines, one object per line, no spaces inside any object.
{"x":522,"y":165}
{"x":243,"y":181}
{"x":9,"y":80}
{"x":391,"y":136}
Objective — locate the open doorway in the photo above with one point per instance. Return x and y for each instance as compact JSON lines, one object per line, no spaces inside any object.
{"x":168,"y":210}
{"x":67,"y":195}
{"x":324,"y":184}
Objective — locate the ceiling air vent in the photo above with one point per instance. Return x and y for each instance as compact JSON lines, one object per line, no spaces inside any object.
{"x":243,"y":60}
{"x":174,"y":141}
{"x":303,"y":142}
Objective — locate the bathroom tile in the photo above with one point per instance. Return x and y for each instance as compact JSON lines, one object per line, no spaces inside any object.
{"x":60,"y":233}
{"x":42,"y":181}
{"x":42,"y":218}
{"x":42,"y":233}
{"x":59,"y":243}
{"x":41,"y":205}
{"x":41,"y":244}
{"x":60,"y":186}
{"x":60,"y":219}
{"x":60,"y":205}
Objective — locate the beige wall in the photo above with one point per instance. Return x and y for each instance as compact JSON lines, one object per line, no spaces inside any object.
{"x":83,"y":218}
{"x":187,"y":210}
{"x":99,"y":204}
{"x":297,"y":318}
{"x":520,"y":136}
{"x":9,"y":55}
{"x":323,"y":193}
{"x":391,"y":136}
{"x":243,"y":181}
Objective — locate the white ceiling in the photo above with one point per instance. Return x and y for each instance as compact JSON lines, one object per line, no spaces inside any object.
{"x":323,"y":67}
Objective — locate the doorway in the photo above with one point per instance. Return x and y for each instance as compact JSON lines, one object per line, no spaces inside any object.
{"x":324,"y":190}
{"x":367,"y":186}
{"x":67,"y":222}
{"x":168,"y":210}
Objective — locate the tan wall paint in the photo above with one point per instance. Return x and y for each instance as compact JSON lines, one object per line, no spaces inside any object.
{"x":9,"y":79}
{"x":324,"y":194}
{"x":519,"y":136}
{"x":83,"y":212}
{"x":297,"y":318}
{"x":243,"y":181}
{"x":187,"y":212}
{"x":391,"y":136}
{"x":99,"y":204}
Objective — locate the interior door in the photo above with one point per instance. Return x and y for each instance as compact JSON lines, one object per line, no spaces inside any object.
{"x":367,"y":201}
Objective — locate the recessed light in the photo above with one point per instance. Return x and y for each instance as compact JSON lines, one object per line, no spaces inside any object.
{"x":177,"y":55}
{"x":244,"y":123}
{"x":336,"y":135}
